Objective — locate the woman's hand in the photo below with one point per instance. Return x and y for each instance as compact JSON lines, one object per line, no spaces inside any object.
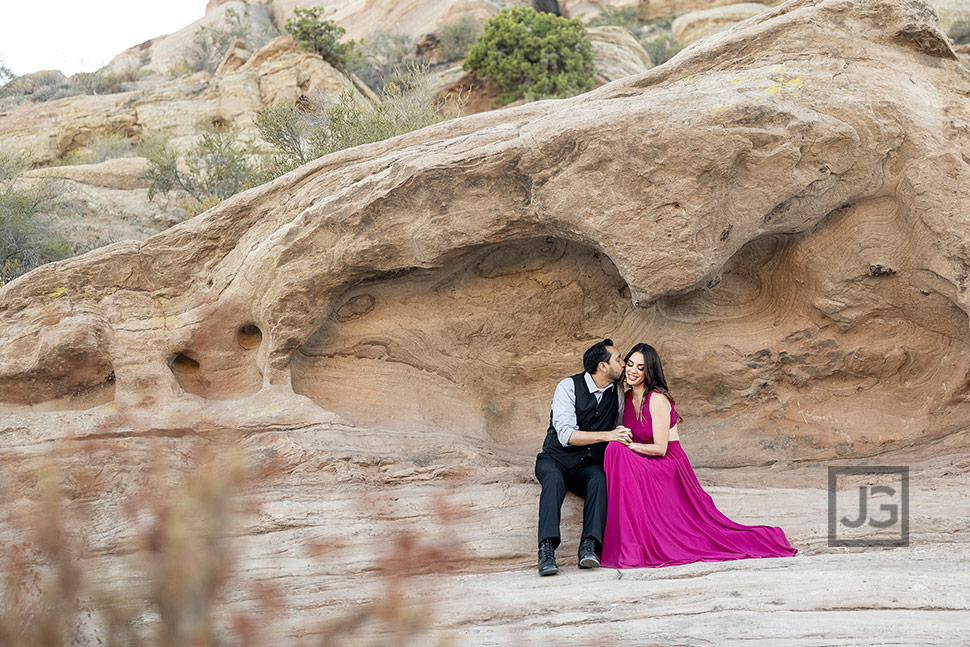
{"x":623,"y":435}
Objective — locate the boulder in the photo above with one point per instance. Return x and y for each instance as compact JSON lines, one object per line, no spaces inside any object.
{"x":120,"y":173}
{"x":653,"y":9}
{"x":616,"y":54}
{"x":693,"y":26}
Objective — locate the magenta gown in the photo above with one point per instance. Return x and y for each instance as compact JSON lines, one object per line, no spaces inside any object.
{"x":659,"y":515}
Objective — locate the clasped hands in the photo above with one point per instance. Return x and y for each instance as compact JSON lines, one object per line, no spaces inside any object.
{"x":622,"y":435}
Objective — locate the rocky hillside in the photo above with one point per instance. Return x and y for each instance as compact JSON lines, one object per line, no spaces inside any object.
{"x":162,"y":97}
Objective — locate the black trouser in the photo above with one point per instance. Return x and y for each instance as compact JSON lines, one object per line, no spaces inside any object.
{"x":586,"y":480}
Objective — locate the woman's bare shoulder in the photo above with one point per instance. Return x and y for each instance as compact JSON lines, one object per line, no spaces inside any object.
{"x":660,"y":404}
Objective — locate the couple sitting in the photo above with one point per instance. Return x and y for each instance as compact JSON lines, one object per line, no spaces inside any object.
{"x":620,"y":450}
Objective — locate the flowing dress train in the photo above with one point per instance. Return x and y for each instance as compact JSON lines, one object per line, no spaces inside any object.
{"x":658,"y":514}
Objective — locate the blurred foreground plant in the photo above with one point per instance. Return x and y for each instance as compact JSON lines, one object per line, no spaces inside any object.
{"x":167,"y":573}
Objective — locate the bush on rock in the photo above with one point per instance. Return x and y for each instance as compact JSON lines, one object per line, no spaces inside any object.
{"x":533,"y":55}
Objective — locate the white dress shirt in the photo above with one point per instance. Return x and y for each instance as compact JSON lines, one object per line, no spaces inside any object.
{"x":564,"y":406}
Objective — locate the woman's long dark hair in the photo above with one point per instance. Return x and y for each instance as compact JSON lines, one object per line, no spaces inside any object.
{"x":653,"y":373}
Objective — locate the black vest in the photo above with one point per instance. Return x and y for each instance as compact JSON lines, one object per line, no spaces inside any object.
{"x":590,"y":416}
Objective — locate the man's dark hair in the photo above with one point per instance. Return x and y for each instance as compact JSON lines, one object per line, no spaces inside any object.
{"x":595,"y":354}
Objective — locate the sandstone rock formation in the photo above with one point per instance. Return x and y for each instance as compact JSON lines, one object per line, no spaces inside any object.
{"x":770,"y":274}
{"x":693,"y":26}
{"x":774,"y":209}
{"x":653,"y":9}
{"x":617,"y":54}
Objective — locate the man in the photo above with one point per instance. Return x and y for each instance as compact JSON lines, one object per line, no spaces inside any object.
{"x":581,"y":423}
{"x":547,"y":6}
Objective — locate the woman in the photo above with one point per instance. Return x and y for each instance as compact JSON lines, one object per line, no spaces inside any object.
{"x":657,"y":514}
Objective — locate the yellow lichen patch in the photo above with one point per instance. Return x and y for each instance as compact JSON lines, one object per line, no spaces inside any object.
{"x":736,"y":80}
{"x":783,"y":80}
{"x":685,"y":80}
{"x":159,"y":317}
{"x":718,"y":112}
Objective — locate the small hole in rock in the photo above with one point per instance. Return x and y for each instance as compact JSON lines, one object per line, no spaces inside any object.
{"x":184,"y":364}
{"x":249,"y":336}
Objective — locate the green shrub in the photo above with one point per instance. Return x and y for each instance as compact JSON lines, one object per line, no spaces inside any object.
{"x":618,"y":17}
{"x":287,"y":126}
{"x":311,"y":32}
{"x":960,"y":30}
{"x":533,"y":55}
{"x":303,"y":132}
{"x":661,"y":46}
{"x":380,"y":58}
{"x":458,"y":37}
{"x":217,"y":167}
{"x":26,"y":237}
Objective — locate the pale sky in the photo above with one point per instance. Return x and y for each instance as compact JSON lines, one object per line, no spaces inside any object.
{"x":83,"y":35}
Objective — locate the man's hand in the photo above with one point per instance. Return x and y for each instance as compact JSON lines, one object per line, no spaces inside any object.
{"x":623,"y":435}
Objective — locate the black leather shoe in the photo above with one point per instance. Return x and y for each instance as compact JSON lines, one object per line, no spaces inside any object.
{"x":547,"y":558}
{"x":587,"y":554}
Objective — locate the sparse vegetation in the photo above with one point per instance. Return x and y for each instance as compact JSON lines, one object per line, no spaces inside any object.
{"x":49,"y":85}
{"x":380,"y":58}
{"x":220,"y":165}
{"x":458,"y":37}
{"x":210,"y":43}
{"x":26,"y":238}
{"x":304,"y":132}
{"x":618,"y":17}
{"x":102,"y":81}
{"x":533,"y":55}
{"x":661,"y":46}
{"x":314,"y":33}
{"x":5,"y":73}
